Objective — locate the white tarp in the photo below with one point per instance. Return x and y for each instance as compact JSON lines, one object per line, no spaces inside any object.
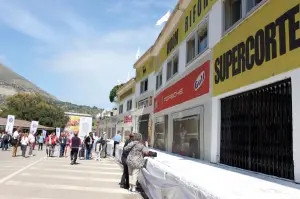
{"x":33,"y":127}
{"x":85,"y":126}
{"x":175,"y":177}
{"x":10,"y":124}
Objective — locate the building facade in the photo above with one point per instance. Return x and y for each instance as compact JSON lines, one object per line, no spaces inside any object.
{"x":126,"y":101}
{"x":221,"y":82}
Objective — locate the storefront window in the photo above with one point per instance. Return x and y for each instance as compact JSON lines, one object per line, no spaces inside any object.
{"x":160,"y":133}
{"x":186,"y":136}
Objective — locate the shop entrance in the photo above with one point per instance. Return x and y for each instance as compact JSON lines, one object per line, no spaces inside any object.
{"x":188,"y":135}
{"x":143,"y":126}
{"x":256,"y":130}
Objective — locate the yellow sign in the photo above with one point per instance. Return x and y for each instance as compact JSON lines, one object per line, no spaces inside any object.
{"x":145,"y":70}
{"x":192,"y":16}
{"x":264,"y":45}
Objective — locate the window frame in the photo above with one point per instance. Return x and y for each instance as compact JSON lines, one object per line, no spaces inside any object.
{"x":171,"y":59}
{"x":121,"y":109}
{"x":129,"y":102}
{"x":194,"y":34}
{"x":158,"y":84}
{"x":245,"y":14}
{"x":142,"y":85}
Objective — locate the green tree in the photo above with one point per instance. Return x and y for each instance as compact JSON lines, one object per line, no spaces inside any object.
{"x":30,"y":107}
{"x":113,"y":93}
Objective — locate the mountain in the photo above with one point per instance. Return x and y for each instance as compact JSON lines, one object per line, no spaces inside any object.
{"x":11,"y":83}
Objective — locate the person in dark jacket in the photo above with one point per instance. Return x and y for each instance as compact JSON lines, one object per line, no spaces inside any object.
{"x":62,"y":142}
{"x":125,"y":177}
{"x":89,"y":141}
{"x":75,"y":142}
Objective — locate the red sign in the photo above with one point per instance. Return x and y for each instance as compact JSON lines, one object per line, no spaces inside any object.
{"x":193,"y":85}
{"x":127,"y":119}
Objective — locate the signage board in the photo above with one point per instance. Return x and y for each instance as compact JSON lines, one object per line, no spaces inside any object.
{"x":259,"y":48}
{"x":57,"y":132}
{"x":127,"y":119}
{"x":193,"y":85}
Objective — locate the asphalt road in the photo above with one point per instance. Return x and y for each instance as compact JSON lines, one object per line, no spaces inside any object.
{"x":39,"y":177}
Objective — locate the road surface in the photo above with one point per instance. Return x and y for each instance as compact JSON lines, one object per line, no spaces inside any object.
{"x":39,"y":177}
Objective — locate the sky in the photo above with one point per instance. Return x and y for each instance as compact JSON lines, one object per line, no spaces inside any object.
{"x":77,"y":50}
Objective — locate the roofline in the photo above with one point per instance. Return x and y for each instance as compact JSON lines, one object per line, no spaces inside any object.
{"x":141,"y":59}
{"x":132,"y":80}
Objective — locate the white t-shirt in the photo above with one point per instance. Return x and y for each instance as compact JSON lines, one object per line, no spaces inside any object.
{"x":24,"y":141}
{"x":16,"y":134}
{"x":31,"y":138}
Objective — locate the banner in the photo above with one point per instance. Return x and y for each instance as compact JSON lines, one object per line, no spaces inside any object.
{"x":194,"y":84}
{"x":44,"y":133}
{"x":10,"y":124}
{"x":85,"y":125}
{"x":73,"y":124}
{"x":57,"y":132}
{"x":34,"y":126}
{"x":259,"y":48}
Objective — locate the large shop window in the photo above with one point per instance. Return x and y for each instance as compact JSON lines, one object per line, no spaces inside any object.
{"x":121,"y":109}
{"x":160,"y":133}
{"x":257,"y":130}
{"x":158,"y":80}
{"x":144,"y":86}
{"x":235,"y":10}
{"x":172,"y":67}
{"x":186,"y":136}
{"x":198,"y":43}
{"x":129,"y":105}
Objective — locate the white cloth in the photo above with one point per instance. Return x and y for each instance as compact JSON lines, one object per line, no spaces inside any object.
{"x":24,"y":141}
{"x":16,"y":134}
{"x":31,"y":138}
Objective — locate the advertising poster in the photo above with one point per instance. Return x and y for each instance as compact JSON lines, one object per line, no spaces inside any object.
{"x":85,"y":126}
{"x":34,"y":126}
{"x":10,"y":124}
{"x":73,"y":124}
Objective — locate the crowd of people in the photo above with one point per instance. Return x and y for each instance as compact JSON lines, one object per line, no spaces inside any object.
{"x":132,"y":157}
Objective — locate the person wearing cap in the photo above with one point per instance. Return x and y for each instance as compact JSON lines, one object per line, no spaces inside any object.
{"x":125,"y":177}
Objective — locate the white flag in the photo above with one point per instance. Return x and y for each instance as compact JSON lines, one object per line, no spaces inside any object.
{"x":10,"y":124}
{"x":34,"y":126}
{"x":164,"y":18}
{"x":137,"y":54}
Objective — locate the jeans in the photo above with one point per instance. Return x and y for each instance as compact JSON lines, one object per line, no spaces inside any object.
{"x":74,"y":154}
{"x":24,"y":147}
{"x":30,"y":149}
{"x":88,"y":153}
{"x":5,"y":146}
{"x":125,"y":176}
{"x":41,"y":146}
{"x":115,"y":143}
{"x":62,"y":150}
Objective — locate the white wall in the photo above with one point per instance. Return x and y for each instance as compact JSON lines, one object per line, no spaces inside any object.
{"x":151,"y":85}
{"x":124,"y":102}
{"x":216,"y":116}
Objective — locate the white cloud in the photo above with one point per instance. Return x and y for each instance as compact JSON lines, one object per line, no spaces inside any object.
{"x":87,"y":62}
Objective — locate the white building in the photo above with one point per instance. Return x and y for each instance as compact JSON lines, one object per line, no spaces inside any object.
{"x":126,"y":108}
{"x":224,"y":72}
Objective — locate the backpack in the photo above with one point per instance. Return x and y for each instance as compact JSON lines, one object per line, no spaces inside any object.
{"x":5,"y":138}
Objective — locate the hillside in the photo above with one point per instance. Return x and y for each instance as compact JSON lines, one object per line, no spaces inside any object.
{"x":11,"y":83}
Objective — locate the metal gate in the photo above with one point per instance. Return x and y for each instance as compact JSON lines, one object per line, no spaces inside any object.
{"x":256,"y":130}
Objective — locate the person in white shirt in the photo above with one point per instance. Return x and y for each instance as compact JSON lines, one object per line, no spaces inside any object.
{"x":24,"y":144}
{"x":15,"y":142}
{"x":31,"y":140}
